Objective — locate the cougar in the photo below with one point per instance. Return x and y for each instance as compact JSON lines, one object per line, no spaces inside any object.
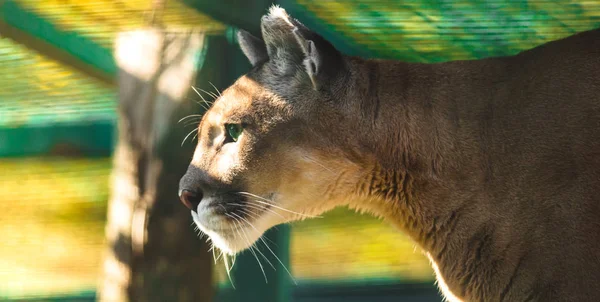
{"x":491,"y":166}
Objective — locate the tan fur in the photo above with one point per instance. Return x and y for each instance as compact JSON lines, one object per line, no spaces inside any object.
{"x":491,"y":166}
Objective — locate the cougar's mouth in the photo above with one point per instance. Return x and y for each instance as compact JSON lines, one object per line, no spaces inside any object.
{"x":232,"y":220}
{"x":218,"y":212}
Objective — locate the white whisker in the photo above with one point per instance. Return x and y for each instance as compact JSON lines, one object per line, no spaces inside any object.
{"x":271,"y":203}
{"x":256,"y":196}
{"x":246,"y":210}
{"x":237,"y":227}
{"x":189,"y":116}
{"x":221,"y":254}
{"x":255,"y":215}
{"x":262,"y":208}
{"x":318,"y":163}
{"x":197,"y":231}
{"x":193,"y":122}
{"x":280,"y":262}
{"x":247,"y":222}
{"x":197,"y":102}
{"x":202,"y":97}
{"x":249,"y":213}
{"x":183,"y":142}
{"x":265,"y":243}
{"x":213,"y":85}
{"x":226,"y":262}
{"x":246,"y":235}
{"x":214,"y":252}
{"x":214,"y":96}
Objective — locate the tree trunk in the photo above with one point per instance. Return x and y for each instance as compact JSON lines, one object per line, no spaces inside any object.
{"x":153,"y":253}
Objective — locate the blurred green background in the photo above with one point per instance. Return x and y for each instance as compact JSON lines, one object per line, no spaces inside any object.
{"x":58,"y":117}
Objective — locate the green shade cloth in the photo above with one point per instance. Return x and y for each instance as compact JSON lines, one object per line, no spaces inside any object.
{"x":435,"y":31}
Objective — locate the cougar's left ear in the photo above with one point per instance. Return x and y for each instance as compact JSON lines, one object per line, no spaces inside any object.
{"x":254,"y":48}
{"x":290,"y":45}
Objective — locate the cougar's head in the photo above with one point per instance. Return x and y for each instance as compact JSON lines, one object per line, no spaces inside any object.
{"x":276,"y":146}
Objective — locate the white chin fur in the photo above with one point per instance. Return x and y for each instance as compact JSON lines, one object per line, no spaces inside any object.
{"x":231,"y":240}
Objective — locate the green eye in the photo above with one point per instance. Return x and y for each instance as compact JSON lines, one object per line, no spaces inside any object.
{"x":233,"y":132}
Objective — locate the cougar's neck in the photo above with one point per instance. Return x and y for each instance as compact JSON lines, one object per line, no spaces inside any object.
{"x":420,"y":126}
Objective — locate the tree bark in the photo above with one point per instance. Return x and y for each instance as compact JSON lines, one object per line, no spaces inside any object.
{"x":153,"y":253}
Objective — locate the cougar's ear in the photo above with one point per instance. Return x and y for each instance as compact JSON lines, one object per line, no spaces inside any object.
{"x":254,"y":48}
{"x":290,"y":45}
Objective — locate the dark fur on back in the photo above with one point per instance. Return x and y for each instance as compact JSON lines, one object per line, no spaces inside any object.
{"x":507,"y":151}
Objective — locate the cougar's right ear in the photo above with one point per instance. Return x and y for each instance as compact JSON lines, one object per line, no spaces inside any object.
{"x":291,"y":47}
{"x":254,"y":48}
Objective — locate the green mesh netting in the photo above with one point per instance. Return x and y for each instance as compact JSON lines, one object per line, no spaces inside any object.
{"x":35,"y":90}
{"x":101,"y":20}
{"x":434,"y":31}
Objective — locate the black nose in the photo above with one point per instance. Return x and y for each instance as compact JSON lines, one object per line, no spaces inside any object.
{"x":190,"y":199}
